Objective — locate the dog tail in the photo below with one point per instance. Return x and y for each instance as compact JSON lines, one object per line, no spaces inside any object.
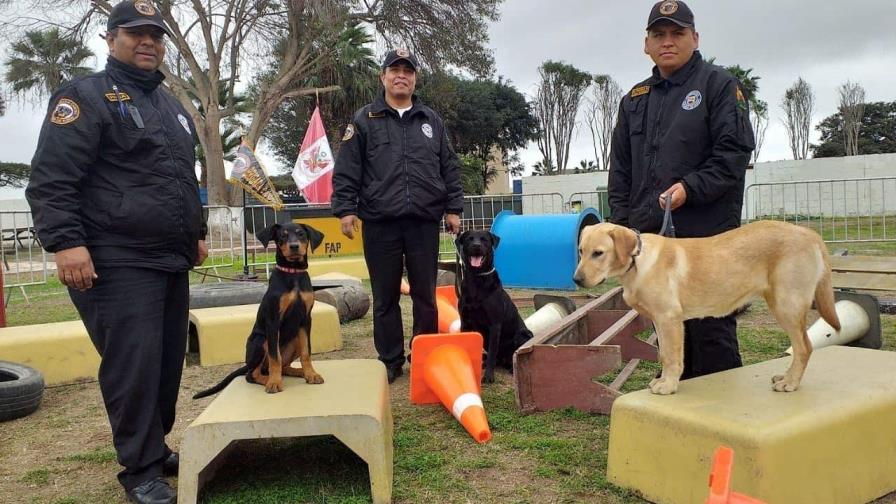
{"x":219,"y":387}
{"x":824,"y":294}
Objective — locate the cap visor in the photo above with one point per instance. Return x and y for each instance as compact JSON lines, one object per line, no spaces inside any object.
{"x":396,"y":60}
{"x":679,"y":23}
{"x":144,"y":22}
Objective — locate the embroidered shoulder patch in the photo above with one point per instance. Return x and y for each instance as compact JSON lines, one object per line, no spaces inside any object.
{"x":112,"y":98}
{"x":65,"y":112}
{"x":349,"y":132}
{"x":638,"y":91}
{"x":376,"y":115}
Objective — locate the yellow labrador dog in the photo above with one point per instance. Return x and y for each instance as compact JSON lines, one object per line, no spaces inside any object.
{"x":671,"y":280}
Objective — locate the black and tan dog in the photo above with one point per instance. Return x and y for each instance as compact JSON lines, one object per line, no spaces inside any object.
{"x":282,"y":331}
{"x":484,"y":305}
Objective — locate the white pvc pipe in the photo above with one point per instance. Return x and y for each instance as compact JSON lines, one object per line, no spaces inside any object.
{"x":545,"y":317}
{"x":854,"y":323}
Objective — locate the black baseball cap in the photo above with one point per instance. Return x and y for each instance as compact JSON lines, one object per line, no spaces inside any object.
{"x":396,"y":55}
{"x":671,"y":10}
{"x":131,"y":13}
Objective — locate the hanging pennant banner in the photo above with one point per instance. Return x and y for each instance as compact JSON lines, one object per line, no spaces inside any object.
{"x":248,"y":173}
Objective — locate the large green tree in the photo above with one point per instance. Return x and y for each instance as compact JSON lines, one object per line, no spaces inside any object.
{"x":877,"y":134}
{"x":483,"y":117}
{"x":221,"y":42}
{"x":42,"y":60}
{"x":353,"y":68}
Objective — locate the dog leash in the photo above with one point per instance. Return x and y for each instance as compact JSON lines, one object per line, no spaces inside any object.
{"x":668,"y":228}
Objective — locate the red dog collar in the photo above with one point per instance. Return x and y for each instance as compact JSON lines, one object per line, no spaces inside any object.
{"x":293,"y":271}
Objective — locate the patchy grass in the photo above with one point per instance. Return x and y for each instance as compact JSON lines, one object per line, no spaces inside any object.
{"x":62,"y":454}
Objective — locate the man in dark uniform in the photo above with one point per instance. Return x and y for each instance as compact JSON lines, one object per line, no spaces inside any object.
{"x":684,"y":132}
{"x":397,"y":172}
{"x":114,"y":195}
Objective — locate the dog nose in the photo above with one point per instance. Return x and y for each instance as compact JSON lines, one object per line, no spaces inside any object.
{"x":577,"y":280}
{"x":293,"y":246}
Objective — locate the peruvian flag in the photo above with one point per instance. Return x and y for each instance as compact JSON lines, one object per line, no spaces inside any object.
{"x":313,"y":172}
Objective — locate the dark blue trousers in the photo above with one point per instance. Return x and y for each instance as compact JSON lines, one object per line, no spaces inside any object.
{"x":137,"y":319}
{"x":388,"y":247}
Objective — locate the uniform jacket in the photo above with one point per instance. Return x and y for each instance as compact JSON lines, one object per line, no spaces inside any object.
{"x":391,"y":167}
{"x":129,"y":194}
{"x":692,"y":128}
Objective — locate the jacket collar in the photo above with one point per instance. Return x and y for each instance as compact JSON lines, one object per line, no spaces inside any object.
{"x":682,"y":74}
{"x":125,"y":74}
{"x":379,"y":104}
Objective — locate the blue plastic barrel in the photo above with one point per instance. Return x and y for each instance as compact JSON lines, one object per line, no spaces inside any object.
{"x":539,"y":251}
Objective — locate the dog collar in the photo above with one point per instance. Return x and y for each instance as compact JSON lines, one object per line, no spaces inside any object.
{"x":486,"y":273}
{"x":637,"y":252}
{"x":293,"y":271}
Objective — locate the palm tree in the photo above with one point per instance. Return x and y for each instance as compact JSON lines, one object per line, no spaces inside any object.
{"x":42,"y":60}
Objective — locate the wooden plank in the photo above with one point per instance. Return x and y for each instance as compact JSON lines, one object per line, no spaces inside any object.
{"x":629,"y":368}
{"x":864,"y":264}
{"x":575,"y":321}
{"x":864,"y":281}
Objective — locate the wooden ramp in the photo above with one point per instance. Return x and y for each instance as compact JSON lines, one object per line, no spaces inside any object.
{"x":833,"y":441}
{"x":352,"y":405}
{"x":870,"y":273}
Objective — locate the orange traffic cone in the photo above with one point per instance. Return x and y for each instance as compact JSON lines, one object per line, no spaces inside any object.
{"x":446,"y":305}
{"x":720,"y":480}
{"x":447,"y":368}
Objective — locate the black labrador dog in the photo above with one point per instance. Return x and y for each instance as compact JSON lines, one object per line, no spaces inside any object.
{"x":282,"y":331}
{"x":484,"y":305}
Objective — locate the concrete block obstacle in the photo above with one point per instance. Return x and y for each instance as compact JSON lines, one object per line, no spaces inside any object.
{"x":222,"y":331}
{"x":352,"y":404}
{"x":833,"y":441}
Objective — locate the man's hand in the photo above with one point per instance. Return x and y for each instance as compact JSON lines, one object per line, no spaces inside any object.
{"x":452,"y":223}
{"x":678,"y":193}
{"x":201,"y":253}
{"x":75,"y":268}
{"x":349,"y":225}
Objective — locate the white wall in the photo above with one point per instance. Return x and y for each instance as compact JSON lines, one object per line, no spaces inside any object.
{"x":865,"y":196}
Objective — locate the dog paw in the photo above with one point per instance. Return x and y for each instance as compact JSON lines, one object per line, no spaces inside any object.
{"x":272,"y":387}
{"x":780,"y":383}
{"x":663,"y":386}
{"x":313,"y":378}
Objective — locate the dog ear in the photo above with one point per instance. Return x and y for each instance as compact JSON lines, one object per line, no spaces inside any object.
{"x":495,"y":239}
{"x":266,"y":234}
{"x":315,"y":236}
{"x":624,"y":241}
{"x":460,"y":238}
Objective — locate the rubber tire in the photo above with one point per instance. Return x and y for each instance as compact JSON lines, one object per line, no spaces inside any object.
{"x":21,"y":390}
{"x":226,"y":294}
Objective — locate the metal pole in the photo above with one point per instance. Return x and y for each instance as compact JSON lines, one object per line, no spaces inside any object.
{"x":245,"y":245}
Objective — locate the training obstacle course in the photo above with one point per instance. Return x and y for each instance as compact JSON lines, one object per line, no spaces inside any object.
{"x":590,"y":342}
{"x":352,"y":404}
{"x":830,"y":442}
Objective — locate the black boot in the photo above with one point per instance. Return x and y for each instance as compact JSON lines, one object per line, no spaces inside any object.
{"x":154,"y":491}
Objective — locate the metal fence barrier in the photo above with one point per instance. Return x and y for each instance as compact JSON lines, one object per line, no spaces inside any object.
{"x":220,"y":238}
{"x":24,"y":260}
{"x":844,"y":210}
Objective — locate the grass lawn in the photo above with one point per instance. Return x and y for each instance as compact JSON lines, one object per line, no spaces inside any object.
{"x":62,"y":454}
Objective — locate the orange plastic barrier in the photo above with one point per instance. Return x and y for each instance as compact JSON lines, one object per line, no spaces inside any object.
{"x":447,"y":368}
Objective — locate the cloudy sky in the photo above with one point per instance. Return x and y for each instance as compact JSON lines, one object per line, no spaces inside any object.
{"x":824,"y":42}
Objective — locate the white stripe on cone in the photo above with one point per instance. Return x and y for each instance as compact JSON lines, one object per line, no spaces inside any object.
{"x":464,"y":401}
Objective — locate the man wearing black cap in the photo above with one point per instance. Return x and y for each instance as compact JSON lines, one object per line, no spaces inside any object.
{"x":397,"y":172}
{"x":684,"y":132}
{"x":114,"y":195}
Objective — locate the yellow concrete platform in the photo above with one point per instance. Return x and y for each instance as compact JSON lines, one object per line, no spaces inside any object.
{"x":831,"y":442}
{"x":354,"y":266}
{"x":352,"y":405}
{"x":222,"y":331}
{"x":61,"y":351}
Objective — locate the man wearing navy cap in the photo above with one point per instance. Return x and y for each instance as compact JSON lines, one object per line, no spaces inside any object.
{"x":684,"y":132}
{"x":114,"y":195}
{"x":397,"y":172}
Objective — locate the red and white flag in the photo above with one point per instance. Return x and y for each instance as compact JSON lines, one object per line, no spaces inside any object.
{"x":313,"y":172}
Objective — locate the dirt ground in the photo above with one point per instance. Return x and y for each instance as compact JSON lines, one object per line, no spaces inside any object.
{"x":62,"y":453}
